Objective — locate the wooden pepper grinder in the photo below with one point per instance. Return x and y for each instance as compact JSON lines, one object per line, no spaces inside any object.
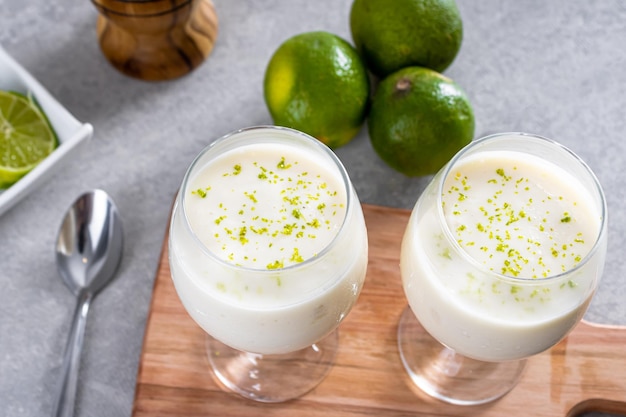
{"x":156,"y":40}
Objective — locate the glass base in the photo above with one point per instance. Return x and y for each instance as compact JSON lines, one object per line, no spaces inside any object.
{"x":449,"y":376}
{"x":272,"y":378}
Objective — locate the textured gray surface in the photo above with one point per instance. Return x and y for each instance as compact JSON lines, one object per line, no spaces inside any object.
{"x":553,"y":68}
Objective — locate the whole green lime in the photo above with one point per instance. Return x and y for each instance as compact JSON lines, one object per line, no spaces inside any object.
{"x":391,"y":35}
{"x":317,"y":83}
{"x":418,"y":120}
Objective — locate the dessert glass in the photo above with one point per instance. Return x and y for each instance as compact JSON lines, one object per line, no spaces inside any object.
{"x":271,"y":325}
{"x":484,"y":291}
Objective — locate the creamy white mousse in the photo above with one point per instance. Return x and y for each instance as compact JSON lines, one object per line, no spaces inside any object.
{"x":269,"y":252}
{"x":519,"y":216}
{"x":504,"y":279}
{"x":265,"y":206}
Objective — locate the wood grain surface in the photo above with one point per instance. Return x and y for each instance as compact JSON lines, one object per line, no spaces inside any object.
{"x":586,"y":371}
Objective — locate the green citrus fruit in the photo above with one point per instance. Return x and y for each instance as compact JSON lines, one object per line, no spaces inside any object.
{"x":317,"y":83}
{"x":391,"y":35}
{"x":26,"y":137}
{"x":418,"y":120}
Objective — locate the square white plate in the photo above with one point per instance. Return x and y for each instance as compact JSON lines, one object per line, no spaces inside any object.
{"x":71,"y":132}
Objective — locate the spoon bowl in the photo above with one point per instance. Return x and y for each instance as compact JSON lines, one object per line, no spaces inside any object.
{"x":89,"y":245}
{"x":88,"y":252}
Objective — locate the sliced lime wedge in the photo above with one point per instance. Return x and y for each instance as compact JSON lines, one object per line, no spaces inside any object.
{"x":26,"y":136}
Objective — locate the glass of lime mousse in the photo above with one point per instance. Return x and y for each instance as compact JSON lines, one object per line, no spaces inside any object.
{"x":268,"y":254}
{"x":500,"y":259}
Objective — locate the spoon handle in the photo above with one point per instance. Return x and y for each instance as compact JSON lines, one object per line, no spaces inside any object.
{"x":65,"y":402}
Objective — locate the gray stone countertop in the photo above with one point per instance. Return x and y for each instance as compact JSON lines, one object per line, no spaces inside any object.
{"x":554,"y":68}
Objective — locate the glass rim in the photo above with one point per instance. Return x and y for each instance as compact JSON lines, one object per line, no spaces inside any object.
{"x":345,"y":180}
{"x":445,"y":172}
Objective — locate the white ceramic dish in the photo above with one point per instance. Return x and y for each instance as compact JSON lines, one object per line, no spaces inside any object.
{"x":71,"y":132}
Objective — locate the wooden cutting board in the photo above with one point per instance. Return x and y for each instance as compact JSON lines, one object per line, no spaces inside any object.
{"x":585,"y":372}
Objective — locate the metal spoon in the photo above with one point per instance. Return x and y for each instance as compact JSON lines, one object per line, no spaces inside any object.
{"x":88,"y":252}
